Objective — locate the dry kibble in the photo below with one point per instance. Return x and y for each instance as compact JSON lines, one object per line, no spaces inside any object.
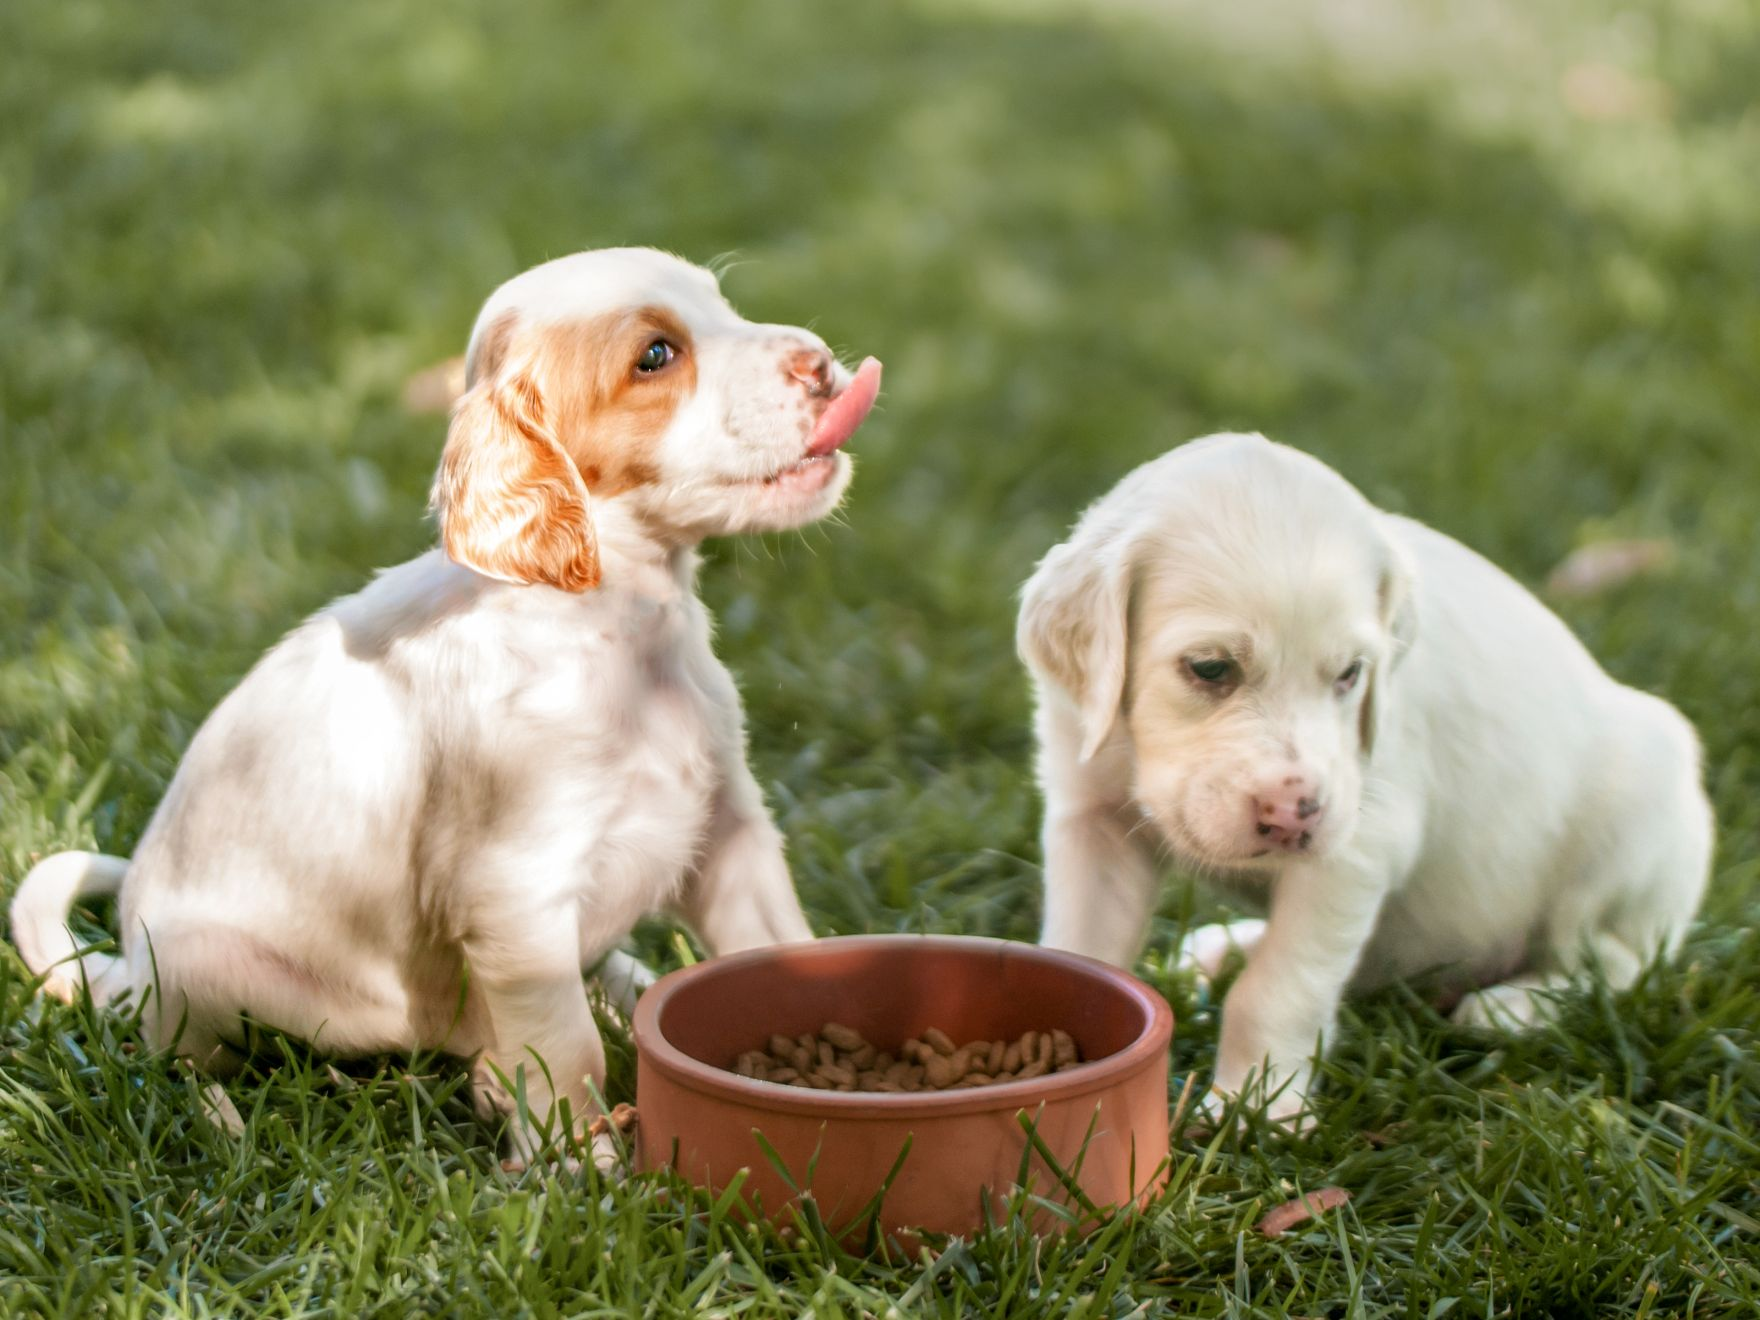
{"x":940,"y":1073}
{"x":1063,"y":1047}
{"x":844,"y":1038}
{"x":938,"y":1040}
{"x":838,"y":1058}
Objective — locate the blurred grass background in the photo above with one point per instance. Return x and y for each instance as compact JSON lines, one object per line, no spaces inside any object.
{"x":1498,"y":262}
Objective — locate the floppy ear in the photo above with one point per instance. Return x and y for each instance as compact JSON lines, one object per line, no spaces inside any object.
{"x":1399,"y":620}
{"x":1073,"y":628}
{"x":512,"y":505}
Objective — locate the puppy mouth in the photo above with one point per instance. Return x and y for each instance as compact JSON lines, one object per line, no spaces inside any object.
{"x":846,"y":411}
{"x":841,"y":418}
{"x":812,"y":473}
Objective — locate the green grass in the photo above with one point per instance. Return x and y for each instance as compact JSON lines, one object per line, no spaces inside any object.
{"x":1076,"y":233}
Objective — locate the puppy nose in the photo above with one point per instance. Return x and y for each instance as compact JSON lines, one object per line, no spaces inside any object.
{"x":1288,"y":817}
{"x":812,"y":368}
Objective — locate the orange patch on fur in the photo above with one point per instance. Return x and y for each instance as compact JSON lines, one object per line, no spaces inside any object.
{"x":548,"y":423}
{"x":511,"y":503}
{"x":608,"y":416}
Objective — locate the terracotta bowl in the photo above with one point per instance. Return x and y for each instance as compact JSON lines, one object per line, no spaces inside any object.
{"x":1104,"y":1124}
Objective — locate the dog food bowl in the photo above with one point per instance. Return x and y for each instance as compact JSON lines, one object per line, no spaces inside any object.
{"x":1089,"y":1139}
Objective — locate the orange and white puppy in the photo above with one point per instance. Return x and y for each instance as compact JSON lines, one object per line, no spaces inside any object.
{"x":421,"y":815}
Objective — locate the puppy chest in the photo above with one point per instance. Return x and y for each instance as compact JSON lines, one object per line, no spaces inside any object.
{"x":663,"y":775}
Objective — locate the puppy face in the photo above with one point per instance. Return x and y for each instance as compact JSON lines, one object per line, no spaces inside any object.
{"x":1254,"y":606}
{"x":625,"y":375}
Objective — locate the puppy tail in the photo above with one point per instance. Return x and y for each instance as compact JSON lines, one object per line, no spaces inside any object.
{"x":39,"y":925}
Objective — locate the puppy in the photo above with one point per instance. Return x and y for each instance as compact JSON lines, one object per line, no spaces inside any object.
{"x":421,"y":815}
{"x":1237,"y":657}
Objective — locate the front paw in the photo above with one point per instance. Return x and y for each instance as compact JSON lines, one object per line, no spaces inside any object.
{"x":1499,"y":1009}
{"x":1285,"y":1105}
{"x":608,"y":1140}
{"x":1207,"y":951}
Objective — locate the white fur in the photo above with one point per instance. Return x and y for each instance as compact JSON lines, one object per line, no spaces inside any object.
{"x":1495,"y":808}
{"x":425,"y":811}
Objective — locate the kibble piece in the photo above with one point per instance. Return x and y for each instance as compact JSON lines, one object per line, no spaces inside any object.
{"x":844,"y":1038}
{"x":1029,"y":1046}
{"x":993,"y":1057}
{"x":836,"y":1075}
{"x":1033,"y":1069}
{"x":1063,"y":1047}
{"x":913,"y":1050}
{"x":1011,"y":1057}
{"x":869,"y":1080}
{"x":883,"y":1062}
{"x":863,"y":1055}
{"x":781,"y":1047}
{"x":940,"y":1072}
{"x":784,"y":1075}
{"x":939,"y":1041}
{"x":804,"y":1059}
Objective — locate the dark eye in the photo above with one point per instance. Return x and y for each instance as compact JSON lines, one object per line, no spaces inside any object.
{"x":1214,"y":671}
{"x":655,"y":356}
{"x":1348,"y":679}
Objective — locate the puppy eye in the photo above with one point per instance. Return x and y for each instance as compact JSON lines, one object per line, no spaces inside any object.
{"x":1348,"y":679}
{"x":655,"y":356}
{"x":1213,"y":672}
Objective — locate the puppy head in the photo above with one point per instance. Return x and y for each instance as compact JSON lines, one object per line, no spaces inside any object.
{"x":1232,"y":608}
{"x":624,"y":375}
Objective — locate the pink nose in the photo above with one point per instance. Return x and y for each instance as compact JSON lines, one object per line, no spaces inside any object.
{"x":812,"y":368}
{"x":1287,"y":818}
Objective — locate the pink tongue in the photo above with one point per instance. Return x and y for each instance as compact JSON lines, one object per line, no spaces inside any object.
{"x":845,"y":413}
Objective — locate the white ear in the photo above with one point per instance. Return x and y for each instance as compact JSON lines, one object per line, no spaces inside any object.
{"x":1074,"y":623}
{"x":1397,"y":594}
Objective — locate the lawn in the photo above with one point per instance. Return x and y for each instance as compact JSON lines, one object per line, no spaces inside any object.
{"x":1496,"y":262}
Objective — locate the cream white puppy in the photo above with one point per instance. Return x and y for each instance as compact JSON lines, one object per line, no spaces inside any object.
{"x":1240,"y":660}
{"x":421,"y":815}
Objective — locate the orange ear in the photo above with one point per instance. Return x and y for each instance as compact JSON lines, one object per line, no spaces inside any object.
{"x":512,"y":506}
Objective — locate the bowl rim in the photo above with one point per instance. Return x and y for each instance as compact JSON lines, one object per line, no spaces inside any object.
{"x":654,"y":1050}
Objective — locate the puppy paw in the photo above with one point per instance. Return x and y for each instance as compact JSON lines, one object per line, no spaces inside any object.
{"x":1288,"y":1112}
{"x":1498,"y":1009}
{"x":1207,"y":950}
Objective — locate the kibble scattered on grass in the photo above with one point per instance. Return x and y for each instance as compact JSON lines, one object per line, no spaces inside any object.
{"x":839,"y":1058}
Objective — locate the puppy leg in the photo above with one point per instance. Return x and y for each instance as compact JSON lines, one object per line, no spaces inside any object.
{"x":1206,"y":950}
{"x":741,"y":895}
{"x":1284,"y":1004}
{"x":1099,"y":885}
{"x":527,"y":971}
{"x":1531,"y":1000}
{"x":1634,"y":900}
{"x":623,"y":977}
